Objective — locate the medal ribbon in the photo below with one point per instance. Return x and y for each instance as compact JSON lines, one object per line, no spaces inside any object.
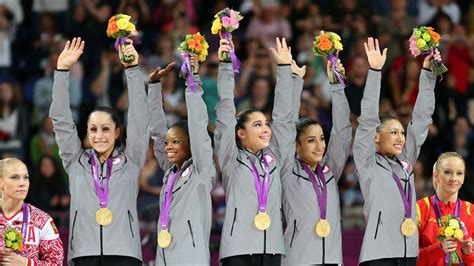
{"x":102,"y":193}
{"x":24,"y":223}
{"x":262,"y":191}
{"x":165,"y":205}
{"x":435,"y":200}
{"x":406,"y":199}
{"x":321,"y":195}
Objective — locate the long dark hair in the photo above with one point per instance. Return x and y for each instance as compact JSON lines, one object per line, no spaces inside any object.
{"x":242,"y":117}
{"x":303,"y":124}
{"x":120,"y":141}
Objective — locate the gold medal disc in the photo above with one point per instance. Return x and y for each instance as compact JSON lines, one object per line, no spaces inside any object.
{"x":262,"y":221}
{"x":408,"y":227}
{"x":164,"y":239}
{"x":103,"y":216}
{"x":322,"y":228}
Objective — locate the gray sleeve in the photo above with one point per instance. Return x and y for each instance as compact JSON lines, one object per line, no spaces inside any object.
{"x":283,"y":134}
{"x":138,"y":117}
{"x":297,"y":89}
{"x":417,"y":130}
{"x":76,"y":92}
{"x":341,"y":133}
{"x":364,"y":145}
{"x":158,"y":126}
{"x":64,"y":128}
{"x":201,"y":147}
{"x":224,"y":135}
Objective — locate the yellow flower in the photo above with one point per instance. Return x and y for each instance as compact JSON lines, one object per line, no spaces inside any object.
{"x":458,"y":234}
{"x":204,"y":52}
{"x":206,"y":45}
{"x":338,"y":45}
{"x":454,"y":223}
{"x":122,"y":24}
{"x":131,"y":26}
{"x":202,"y":57}
{"x":336,"y":37}
{"x":126,"y":17}
{"x":420,"y":43}
{"x":448,"y":232}
{"x":216,"y":26}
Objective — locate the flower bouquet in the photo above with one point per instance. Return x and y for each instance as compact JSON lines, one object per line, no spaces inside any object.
{"x":225,"y":22}
{"x":329,"y":44}
{"x":424,"y":41}
{"x":193,"y":44}
{"x":451,"y":227}
{"x":120,"y":27}
{"x":13,"y":239}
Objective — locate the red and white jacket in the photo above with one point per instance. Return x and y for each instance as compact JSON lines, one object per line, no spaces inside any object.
{"x":42,"y":243}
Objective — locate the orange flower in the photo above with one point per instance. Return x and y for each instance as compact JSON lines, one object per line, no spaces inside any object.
{"x":192,"y":43}
{"x":434,"y":35}
{"x":441,"y":231}
{"x":324,"y":45}
{"x":444,"y":219}
{"x":430,"y":28}
{"x":198,"y":37}
{"x":112,"y":20}
{"x":21,"y":247}
{"x":112,"y":29}
{"x":199,"y":47}
{"x":324,"y":37}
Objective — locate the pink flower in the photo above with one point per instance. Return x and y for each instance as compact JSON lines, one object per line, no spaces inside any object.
{"x":413,"y":48}
{"x":230,"y":23}
{"x":225,"y":21}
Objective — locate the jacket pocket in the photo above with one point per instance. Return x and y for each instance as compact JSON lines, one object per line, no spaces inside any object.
{"x":72,"y":231}
{"x":191,"y":231}
{"x":130,"y":220}
{"x":378,"y":223}
{"x":294,"y":232}
{"x":233,"y":221}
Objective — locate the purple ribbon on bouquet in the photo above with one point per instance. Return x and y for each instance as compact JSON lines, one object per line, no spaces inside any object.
{"x":120,"y":41}
{"x":186,"y":69}
{"x":233,"y":58}
{"x":333,"y":59}
{"x":427,"y":53}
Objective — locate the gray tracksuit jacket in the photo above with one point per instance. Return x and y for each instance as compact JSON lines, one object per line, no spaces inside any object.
{"x":383,"y":207}
{"x":122,"y":236}
{"x":300,"y":203}
{"x":190,"y":213}
{"x":239,"y":235}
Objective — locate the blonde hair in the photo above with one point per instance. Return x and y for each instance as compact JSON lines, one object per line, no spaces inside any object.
{"x":445,"y":155}
{"x":4,"y":163}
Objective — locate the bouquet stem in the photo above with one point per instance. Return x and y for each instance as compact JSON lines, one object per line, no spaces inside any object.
{"x":438,"y":68}
{"x":126,"y":58}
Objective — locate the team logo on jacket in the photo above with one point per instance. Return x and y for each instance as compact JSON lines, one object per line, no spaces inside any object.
{"x":406,"y":166}
{"x":326,"y":169}
{"x":117,"y":160}
{"x":186,"y":173}
{"x":269,"y":158}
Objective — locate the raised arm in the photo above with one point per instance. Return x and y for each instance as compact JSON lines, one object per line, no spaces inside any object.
{"x":224,"y":137}
{"x":298,"y":82}
{"x":283,"y":135}
{"x":364,"y":145}
{"x":138,"y":119}
{"x":417,"y":130}
{"x":60,"y":110}
{"x":158,"y":127}
{"x":201,"y":147}
{"x":341,"y":133}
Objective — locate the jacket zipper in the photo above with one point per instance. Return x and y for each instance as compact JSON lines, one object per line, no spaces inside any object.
{"x":72,"y":231}
{"x":378,"y":223}
{"x":294,"y":232}
{"x":130,"y":220}
{"x":191,"y":231}
{"x":233,"y":222}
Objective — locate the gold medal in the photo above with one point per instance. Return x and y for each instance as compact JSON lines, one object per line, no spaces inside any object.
{"x":262,"y":221}
{"x":103,"y":216}
{"x":322,"y":228}
{"x":164,"y":239}
{"x":408,"y":227}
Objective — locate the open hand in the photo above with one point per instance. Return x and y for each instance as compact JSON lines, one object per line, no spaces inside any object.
{"x":375,"y":57}
{"x":71,"y":53}
{"x":158,"y":73}
{"x":282,"y":54}
{"x":300,"y":71}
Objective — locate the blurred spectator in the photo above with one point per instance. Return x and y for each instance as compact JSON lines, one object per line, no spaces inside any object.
{"x":260,"y":96}
{"x":356,"y":76}
{"x":173,"y":98}
{"x":428,"y":9}
{"x":13,"y":121}
{"x":44,"y":143}
{"x":59,"y":9}
{"x":209,"y":85}
{"x":48,"y":189}
{"x":404,"y":81}
{"x":10,"y":15}
{"x":164,"y":52}
{"x":150,"y":182}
